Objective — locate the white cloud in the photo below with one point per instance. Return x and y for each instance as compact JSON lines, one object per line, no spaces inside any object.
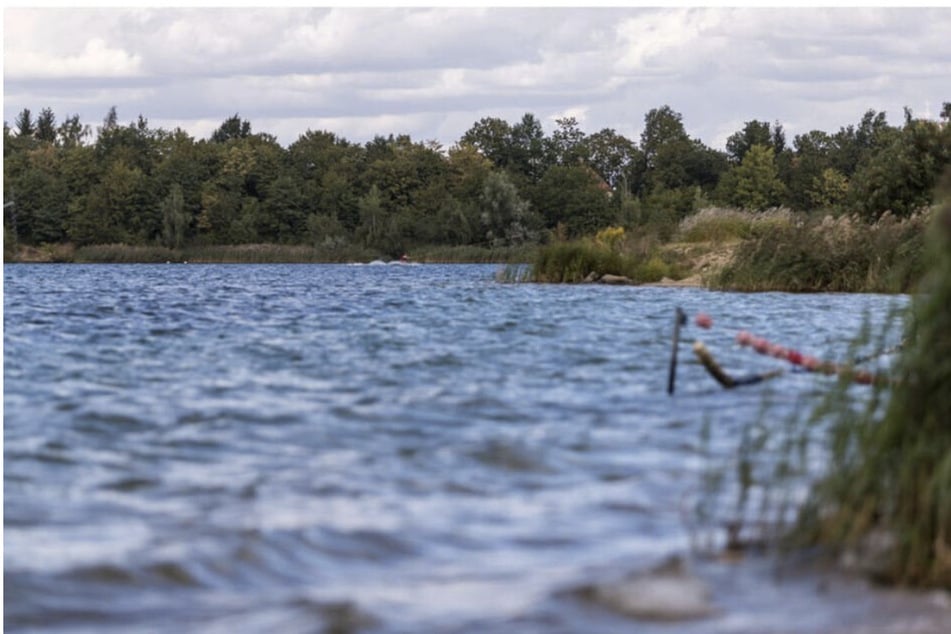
{"x":96,"y":59}
{"x":433,"y":72}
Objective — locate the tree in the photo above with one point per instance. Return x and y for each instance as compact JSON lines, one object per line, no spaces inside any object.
{"x":105,"y":216}
{"x":25,"y":126}
{"x":71,"y":132}
{"x":283,"y":212}
{"x":755,"y":133}
{"x":829,"y":189}
{"x":467,"y":170}
{"x":811,"y":156}
{"x":568,"y":143}
{"x":110,"y":121}
{"x":46,"y":126}
{"x":506,"y":218}
{"x":174,"y":218}
{"x":232,"y":128}
{"x":673,"y":160}
{"x":614,"y":157}
{"x":576,"y":197}
{"x":901,"y":179}
{"x":493,"y":138}
{"x":754,"y":184}
{"x":528,"y":148}
{"x":662,"y":127}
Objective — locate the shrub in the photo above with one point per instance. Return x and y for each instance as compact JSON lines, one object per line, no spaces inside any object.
{"x":890,"y":480}
{"x":839,"y":255}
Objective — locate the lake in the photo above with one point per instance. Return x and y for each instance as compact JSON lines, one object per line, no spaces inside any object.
{"x":306,"y":448}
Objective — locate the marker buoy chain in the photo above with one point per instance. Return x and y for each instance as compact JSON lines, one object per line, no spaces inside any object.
{"x":809,"y":363}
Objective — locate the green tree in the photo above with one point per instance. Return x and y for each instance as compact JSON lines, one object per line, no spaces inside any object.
{"x":25,"y":126}
{"x":830,"y":189}
{"x":46,"y":126}
{"x":662,"y":128}
{"x":575,"y":197}
{"x":493,"y":138}
{"x":71,"y":132}
{"x":529,"y":149}
{"x":568,"y":143}
{"x":234,"y":127}
{"x":615,"y":158}
{"x":174,"y":218}
{"x":284,"y":215}
{"x":505,"y":217}
{"x":755,"y":133}
{"x":901,"y":179}
{"x":810,"y":158}
{"x":754,"y":184}
{"x":104,"y":218}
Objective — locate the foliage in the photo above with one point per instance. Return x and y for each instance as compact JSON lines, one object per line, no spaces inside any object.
{"x":504,"y":183}
{"x":838,"y":255}
{"x":611,"y":252}
{"x":753,"y":184}
{"x":715,"y":224}
{"x":886,"y":498}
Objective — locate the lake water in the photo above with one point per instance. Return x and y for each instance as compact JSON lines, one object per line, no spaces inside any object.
{"x":306,"y":448}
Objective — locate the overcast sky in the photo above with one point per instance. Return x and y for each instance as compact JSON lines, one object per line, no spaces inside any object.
{"x":432,"y":73}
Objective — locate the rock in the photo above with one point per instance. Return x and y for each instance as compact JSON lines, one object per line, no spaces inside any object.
{"x":872,"y":555}
{"x":668,"y":592}
{"x":592,"y":278}
{"x":607,"y":278}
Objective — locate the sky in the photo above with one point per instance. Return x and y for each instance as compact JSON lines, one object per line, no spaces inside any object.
{"x":432,"y":72}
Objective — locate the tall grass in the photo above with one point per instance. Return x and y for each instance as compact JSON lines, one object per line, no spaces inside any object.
{"x":838,"y":255}
{"x":715,"y":224}
{"x":473,"y":254}
{"x":888,"y":490}
{"x":241,"y":253}
{"x":606,"y":254}
{"x":866,"y":472}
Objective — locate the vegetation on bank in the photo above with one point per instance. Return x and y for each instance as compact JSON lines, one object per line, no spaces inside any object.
{"x":841,"y":254}
{"x":503,"y":191}
{"x":861,"y":478}
{"x":886,"y":496}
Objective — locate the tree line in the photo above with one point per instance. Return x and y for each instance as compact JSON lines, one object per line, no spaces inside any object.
{"x":502,"y":183}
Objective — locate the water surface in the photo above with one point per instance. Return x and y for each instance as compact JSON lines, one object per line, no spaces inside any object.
{"x":390,"y":448}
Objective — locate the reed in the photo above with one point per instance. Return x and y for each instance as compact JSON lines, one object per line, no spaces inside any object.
{"x":716,"y":224}
{"x":842,"y":254}
{"x":474,"y":254}
{"x":125,"y":254}
{"x":862,"y":476}
{"x":641,"y":261}
{"x":887,"y":496}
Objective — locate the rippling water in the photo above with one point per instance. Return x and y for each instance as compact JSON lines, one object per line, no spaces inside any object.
{"x":389,"y":448}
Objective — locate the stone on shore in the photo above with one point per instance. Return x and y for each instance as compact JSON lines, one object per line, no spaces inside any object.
{"x":669,"y":592}
{"x":607,"y":278}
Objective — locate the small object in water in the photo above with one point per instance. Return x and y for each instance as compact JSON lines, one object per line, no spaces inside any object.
{"x":703,"y":320}
{"x":404,"y":258}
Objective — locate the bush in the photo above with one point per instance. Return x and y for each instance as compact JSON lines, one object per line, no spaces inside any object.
{"x":714,"y":224}
{"x":890,"y":480}
{"x":837,"y":255}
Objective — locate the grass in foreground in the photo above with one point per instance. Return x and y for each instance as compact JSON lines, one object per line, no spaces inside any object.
{"x":889,"y":486}
{"x":880,"y":502}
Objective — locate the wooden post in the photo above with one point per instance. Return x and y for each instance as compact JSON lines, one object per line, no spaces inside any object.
{"x":680,"y":319}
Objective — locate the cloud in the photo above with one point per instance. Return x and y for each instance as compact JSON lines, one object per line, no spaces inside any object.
{"x":433,"y":72}
{"x":96,"y":59}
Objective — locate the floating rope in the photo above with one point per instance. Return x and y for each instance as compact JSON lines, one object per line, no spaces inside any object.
{"x":807,"y":362}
